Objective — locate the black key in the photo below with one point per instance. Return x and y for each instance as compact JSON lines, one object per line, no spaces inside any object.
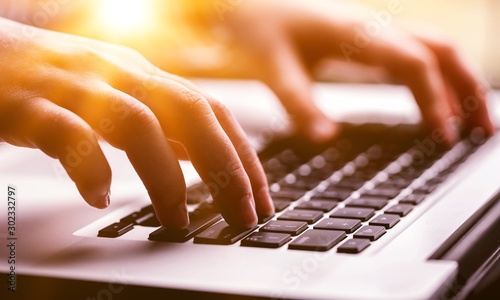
{"x":147,"y":209}
{"x":400,"y":209}
{"x":317,"y":240}
{"x":393,"y":184}
{"x":354,"y":246}
{"x":337,"y":195}
{"x":199,"y":220}
{"x":280,"y":205}
{"x":222,"y":234}
{"x":290,"y":195}
{"x":385,"y":193}
{"x":352,"y":185}
{"x":362,"y":214}
{"x":115,"y":230}
{"x":347,"y":225}
{"x":133,"y":217}
{"x":149,"y":220}
{"x":266,"y":240}
{"x":372,"y":233}
{"x":413,"y":199}
{"x":262,"y":220}
{"x":322,"y":205}
{"x":388,"y":221}
{"x":368,"y":202}
{"x":426,"y":189}
{"x":290,"y":227}
{"x":309,"y":216}
{"x":396,"y":182}
{"x":300,"y":185}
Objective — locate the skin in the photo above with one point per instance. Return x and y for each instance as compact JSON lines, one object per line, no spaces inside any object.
{"x":281,"y":42}
{"x":157,"y":118}
{"x":62,"y":92}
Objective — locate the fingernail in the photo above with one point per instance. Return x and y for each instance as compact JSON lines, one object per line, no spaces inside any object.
{"x":248,"y":216}
{"x":266,"y":208}
{"x":100,"y":201}
{"x":453,"y":130}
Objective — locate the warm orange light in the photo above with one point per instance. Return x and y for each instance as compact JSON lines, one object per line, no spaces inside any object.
{"x":121,"y":16}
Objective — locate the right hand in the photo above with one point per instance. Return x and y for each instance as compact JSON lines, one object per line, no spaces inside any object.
{"x":59,"y":92}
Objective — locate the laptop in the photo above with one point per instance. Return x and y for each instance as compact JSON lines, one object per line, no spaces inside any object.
{"x":382,"y":212}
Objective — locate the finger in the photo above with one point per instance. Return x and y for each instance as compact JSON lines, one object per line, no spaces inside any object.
{"x":246,"y":153}
{"x":189,"y":119}
{"x":288,"y":78}
{"x":471,"y":90}
{"x":128,"y":124}
{"x":416,"y":66}
{"x":61,"y":134}
{"x":406,"y":59}
{"x":248,"y":156}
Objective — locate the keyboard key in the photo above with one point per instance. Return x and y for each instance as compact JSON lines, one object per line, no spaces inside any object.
{"x":115,"y":230}
{"x":388,"y":221}
{"x":308,"y":216}
{"x":385,"y":193}
{"x":266,"y":240}
{"x":347,"y":225}
{"x":332,"y":195}
{"x":262,"y":220}
{"x":354,"y":246}
{"x":372,"y":233}
{"x":400,"y":209}
{"x":413,"y":199}
{"x":280,"y":205}
{"x":149,"y":221}
{"x":362,"y":214}
{"x":393,"y":184}
{"x":426,"y":189}
{"x":368,"y":202}
{"x":132,"y":218}
{"x":317,"y":240}
{"x":289,"y":195}
{"x":322,"y":205}
{"x":352,"y":185}
{"x":199,"y":220}
{"x":290,"y":227}
{"x":222,"y":234}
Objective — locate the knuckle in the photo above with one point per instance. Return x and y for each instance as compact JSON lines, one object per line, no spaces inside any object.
{"x":220,"y":109}
{"x":446,"y":48}
{"x":140,"y":119}
{"x":194,"y":106}
{"x":421,"y":61}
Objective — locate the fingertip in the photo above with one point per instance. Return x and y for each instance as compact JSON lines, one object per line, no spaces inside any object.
{"x":265,"y":205}
{"x":320,"y":130}
{"x":242,"y":214}
{"x":177,"y":218}
{"x":96,"y":198}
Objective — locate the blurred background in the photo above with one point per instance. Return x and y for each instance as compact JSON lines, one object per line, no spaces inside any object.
{"x":473,"y":24}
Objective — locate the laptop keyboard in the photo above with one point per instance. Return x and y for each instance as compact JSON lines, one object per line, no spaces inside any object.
{"x":347,"y":194}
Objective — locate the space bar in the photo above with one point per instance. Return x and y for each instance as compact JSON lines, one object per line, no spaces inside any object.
{"x":199,"y":220}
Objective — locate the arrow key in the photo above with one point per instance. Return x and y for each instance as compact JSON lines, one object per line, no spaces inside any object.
{"x":372,"y":233}
{"x":388,"y":221}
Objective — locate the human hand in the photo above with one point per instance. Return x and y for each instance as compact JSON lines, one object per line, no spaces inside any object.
{"x":281,"y":42}
{"x":59,"y":92}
